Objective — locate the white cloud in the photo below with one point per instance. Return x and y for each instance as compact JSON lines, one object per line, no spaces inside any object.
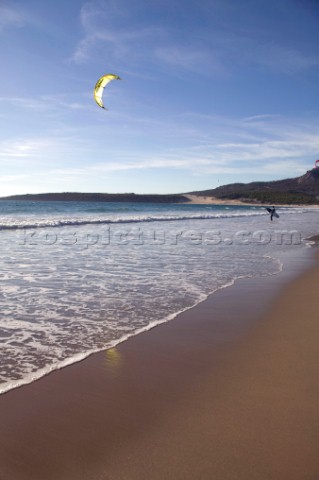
{"x":42,"y":152}
{"x":262,"y":146}
{"x":22,"y":148}
{"x":271,"y":156}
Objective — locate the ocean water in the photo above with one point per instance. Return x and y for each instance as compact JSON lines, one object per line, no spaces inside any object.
{"x":78,"y":277}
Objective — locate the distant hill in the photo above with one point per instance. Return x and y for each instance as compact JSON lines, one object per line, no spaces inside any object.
{"x":300,"y":190}
{"x":97,"y":197}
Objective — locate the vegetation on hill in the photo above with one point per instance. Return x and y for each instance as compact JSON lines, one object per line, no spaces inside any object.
{"x":300,"y":190}
{"x":264,"y":197}
{"x":97,"y":197}
{"x":291,"y":191}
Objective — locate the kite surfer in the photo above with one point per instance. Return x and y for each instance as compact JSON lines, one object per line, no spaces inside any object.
{"x":272,"y":212}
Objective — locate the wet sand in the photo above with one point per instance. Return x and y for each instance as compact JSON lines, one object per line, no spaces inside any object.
{"x":227,"y":391}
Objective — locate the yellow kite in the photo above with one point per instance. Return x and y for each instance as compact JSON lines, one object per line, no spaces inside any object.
{"x":99,"y":87}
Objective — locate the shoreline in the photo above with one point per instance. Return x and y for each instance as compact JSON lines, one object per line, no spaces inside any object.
{"x":145,"y":409}
{"x":84,"y":356}
{"x":172,"y":317}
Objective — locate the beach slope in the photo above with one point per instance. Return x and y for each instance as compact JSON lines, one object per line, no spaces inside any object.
{"x":227,"y":391}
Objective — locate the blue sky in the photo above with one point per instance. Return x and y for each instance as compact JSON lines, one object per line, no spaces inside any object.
{"x":212,"y":92}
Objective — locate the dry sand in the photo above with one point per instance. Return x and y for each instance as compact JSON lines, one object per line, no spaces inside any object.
{"x":203,"y":200}
{"x":199,"y":199}
{"x":227,"y":391}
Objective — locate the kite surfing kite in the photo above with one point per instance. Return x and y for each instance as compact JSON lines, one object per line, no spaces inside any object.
{"x":317,"y":164}
{"x":100,"y":85}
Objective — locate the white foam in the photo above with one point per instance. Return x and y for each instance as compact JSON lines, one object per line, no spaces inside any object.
{"x":12,"y":223}
{"x":32,"y":377}
{"x":63,"y":303}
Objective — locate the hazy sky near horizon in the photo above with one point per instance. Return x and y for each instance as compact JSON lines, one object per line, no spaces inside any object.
{"x":212,"y":92}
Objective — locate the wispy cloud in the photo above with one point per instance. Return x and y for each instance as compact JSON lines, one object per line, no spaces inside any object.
{"x":220,"y":53}
{"x":22,"y":148}
{"x":108,"y":29}
{"x":266,"y":144}
{"x":190,"y":59}
{"x":283,"y":59}
{"x":47,"y":103}
{"x":42,"y":151}
{"x":11,"y":17}
{"x":109,"y":32}
{"x":283,"y":155}
{"x":243,"y":149}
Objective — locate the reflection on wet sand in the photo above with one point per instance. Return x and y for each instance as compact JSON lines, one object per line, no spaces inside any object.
{"x":114,"y":359}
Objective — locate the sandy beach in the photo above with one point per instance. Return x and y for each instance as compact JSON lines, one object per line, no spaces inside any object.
{"x":226,"y":391}
{"x":209,"y":200}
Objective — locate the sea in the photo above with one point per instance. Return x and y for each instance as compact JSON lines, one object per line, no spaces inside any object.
{"x":80,"y":277}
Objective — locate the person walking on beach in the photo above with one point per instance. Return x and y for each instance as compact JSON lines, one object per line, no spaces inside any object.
{"x":272,"y":212}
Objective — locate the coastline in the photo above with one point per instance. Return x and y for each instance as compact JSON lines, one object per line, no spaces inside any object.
{"x":209,"y":200}
{"x":227,"y":390}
